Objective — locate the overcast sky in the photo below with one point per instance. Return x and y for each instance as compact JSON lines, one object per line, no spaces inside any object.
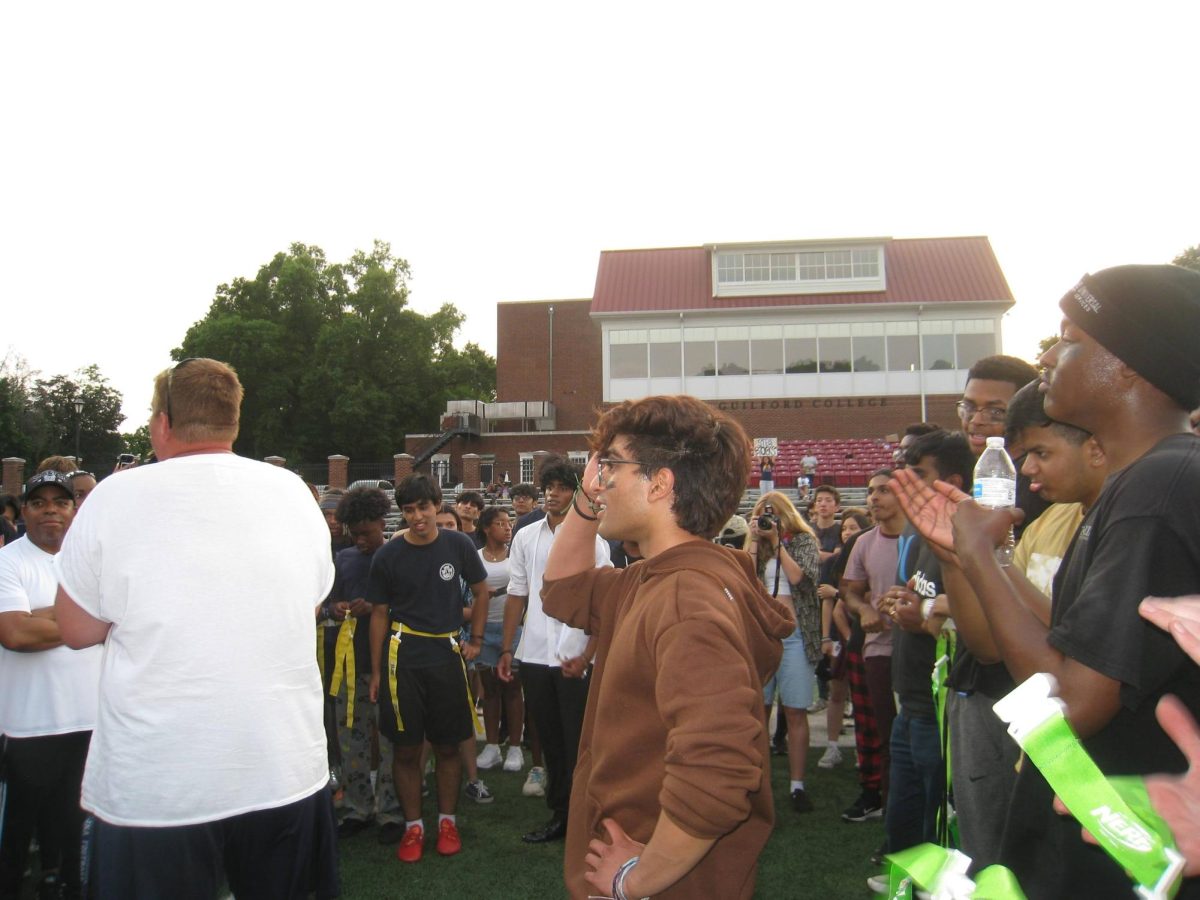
{"x":153,"y":151}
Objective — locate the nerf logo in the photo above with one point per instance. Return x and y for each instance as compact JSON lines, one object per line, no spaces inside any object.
{"x":1119,"y":829}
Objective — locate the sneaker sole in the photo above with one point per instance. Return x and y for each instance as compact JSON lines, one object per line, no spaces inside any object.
{"x":865,"y":817}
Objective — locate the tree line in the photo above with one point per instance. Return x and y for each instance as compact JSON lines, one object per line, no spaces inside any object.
{"x":332,"y":357}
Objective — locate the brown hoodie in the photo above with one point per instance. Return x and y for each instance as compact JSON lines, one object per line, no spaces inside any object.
{"x":674,"y":718}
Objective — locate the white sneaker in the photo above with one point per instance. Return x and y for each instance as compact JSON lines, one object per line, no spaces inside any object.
{"x":832,"y":756}
{"x":535,"y":783}
{"x":514,"y":760}
{"x":489,"y":758}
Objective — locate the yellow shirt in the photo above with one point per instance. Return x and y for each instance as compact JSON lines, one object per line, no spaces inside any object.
{"x":1045,"y":542}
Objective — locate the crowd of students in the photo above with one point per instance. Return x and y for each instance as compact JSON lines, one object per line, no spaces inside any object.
{"x":609,"y":634}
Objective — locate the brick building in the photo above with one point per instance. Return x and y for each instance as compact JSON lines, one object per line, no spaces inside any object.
{"x":850,"y":338}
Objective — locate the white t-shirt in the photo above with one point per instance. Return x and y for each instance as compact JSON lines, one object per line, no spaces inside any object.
{"x":210,"y":568}
{"x":497,"y":580}
{"x":545,"y":641}
{"x":49,"y":691}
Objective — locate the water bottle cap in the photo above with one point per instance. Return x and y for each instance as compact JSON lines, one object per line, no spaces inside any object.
{"x":993,"y":442}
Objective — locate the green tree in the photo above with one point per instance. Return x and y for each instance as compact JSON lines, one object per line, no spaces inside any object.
{"x":98,"y":421}
{"x":1189,"y":258}
{"x":332,"y":358}
{"x":1045,"y":344}
{"x":38,"y":418}
{"x":138,"y":442}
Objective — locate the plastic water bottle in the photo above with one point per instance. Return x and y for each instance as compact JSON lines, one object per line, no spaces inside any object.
{"x":996,"y":488}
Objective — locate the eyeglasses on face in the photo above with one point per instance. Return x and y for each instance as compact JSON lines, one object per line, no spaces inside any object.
{"x":968,"y":410}
{"x":607,"y":462}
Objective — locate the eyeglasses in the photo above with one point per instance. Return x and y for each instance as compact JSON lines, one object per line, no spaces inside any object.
{"x":170,"y":378}
{"x":968,"y":410}
{"x":607,"y":463}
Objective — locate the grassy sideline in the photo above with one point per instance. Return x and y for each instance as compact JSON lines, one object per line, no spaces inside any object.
{"x":813,"y":855}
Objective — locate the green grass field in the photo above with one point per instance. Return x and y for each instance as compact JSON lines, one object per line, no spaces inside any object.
{"x":812,"y":855}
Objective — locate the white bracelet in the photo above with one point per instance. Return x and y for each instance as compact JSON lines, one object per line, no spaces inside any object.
{"x":618,"y":884}
{"x":927,"y":609}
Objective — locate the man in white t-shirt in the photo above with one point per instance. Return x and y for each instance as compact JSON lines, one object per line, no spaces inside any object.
{"x":48,"y":700}
{"x":553,"y":657}
{"x":201,"y":575}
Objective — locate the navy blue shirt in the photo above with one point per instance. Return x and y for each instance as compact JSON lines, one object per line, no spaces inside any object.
{"x":420,"y":585}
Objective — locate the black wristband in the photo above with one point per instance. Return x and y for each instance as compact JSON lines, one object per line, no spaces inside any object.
{"x":579,"y":512}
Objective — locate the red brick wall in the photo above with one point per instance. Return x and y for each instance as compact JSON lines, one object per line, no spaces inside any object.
{"x":507,"y":449}
{"x":523,"y":357}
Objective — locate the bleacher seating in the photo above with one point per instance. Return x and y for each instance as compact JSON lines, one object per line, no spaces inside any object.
{"x":842,"y":462}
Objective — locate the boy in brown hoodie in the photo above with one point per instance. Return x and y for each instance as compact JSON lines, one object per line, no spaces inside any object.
{"x":671,"y":795}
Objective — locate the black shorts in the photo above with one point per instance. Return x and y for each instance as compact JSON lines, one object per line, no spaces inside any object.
{"x":434,"y":705}
{"x":269,"y":854}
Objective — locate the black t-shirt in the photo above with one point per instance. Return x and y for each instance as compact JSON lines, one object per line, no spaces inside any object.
{"x":967,"y":674}
{"x":913,"y":654}
{"x":420,"y":585}
{"x":1141,"y":538}
{"x":351,"y":569}
{"x":828,"y":539}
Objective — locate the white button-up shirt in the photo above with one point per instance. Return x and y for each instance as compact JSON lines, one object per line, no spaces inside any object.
{"x":545,"y":641}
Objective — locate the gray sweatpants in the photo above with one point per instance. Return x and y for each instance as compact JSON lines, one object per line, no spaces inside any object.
{"x":983,"y":762}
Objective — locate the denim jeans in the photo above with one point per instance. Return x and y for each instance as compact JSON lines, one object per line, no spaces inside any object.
{"x":917,"y":782}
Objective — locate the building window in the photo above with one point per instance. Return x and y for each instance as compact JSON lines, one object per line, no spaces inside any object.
{"x":869,"y":351}
{"x":664,"y":353}
{"x":937,"y":345}
{"x":699,"y":351}
{"x":627,"y":354}
{"x":974,"y":339}
{"x":903,"y":352}
{"x":834,"y":348}
{"x":737,"y":267}
{"x":439,"y":468}
{"x":800,"y":348}
{"x":766,"y":350}
{"x":527,"y":468}
{"x":733,"y":351}
{"x":578,"y":457}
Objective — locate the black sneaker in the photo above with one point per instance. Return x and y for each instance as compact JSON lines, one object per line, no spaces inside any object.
{"x":348,"y":828}
{"x":779,"y":748}
{"x":879,"y":854}
{"x":391,"y":832}
{"x":800,"y":801}
{"x":868,"y":806}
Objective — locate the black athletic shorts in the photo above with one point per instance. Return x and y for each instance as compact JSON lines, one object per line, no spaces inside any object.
{"x":285,"y":853}
{"x":434,"y":705}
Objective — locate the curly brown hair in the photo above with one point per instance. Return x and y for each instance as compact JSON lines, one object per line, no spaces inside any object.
{"x":707,"y":451}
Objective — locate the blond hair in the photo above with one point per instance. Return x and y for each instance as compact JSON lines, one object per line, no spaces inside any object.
{"x":790,"y":520}
{"x":202,"y":399}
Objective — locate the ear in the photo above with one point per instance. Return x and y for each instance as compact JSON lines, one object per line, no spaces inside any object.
{"x":662,"y":484}
{"x":956,"y":480}
{"x":1093,"y":453}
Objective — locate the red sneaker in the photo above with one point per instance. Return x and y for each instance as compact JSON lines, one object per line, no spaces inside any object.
{"x":448,"y":842}
{"x":412,"y":845}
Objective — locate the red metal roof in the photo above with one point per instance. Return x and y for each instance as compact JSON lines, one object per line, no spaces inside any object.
{"x":922,"y":270}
